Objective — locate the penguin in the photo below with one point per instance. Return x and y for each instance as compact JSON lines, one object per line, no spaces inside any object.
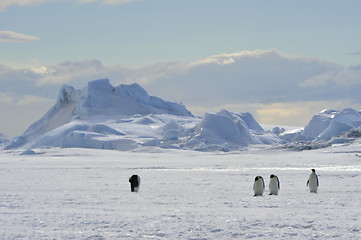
{"x":274,"y":185}
{"x":313,"y":181}
{"x":134,"y":183}
{"x":258,"y":186}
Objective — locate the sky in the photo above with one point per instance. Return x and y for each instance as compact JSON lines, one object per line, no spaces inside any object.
{"x":283,"y":61}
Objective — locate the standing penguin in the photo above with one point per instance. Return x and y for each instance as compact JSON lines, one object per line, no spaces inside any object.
{"x":258,"y":186}
{"x":274,"y":185}
{"x":134,"y":183}
{"x":313,"y":181}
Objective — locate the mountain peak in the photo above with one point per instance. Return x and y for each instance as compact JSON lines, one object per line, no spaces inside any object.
{"x":99,"y":101}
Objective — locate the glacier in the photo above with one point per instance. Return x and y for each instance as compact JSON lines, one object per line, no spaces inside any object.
{"x":127,"y":118}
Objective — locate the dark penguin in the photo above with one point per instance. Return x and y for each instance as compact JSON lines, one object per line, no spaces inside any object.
{"x":313,"y":181}
{"x":134,"y":183}
{"x":258,"y":186}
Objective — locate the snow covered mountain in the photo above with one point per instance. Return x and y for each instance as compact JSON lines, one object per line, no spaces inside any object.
{"x":331,"y":123}
{"x":326,"y":128}
{"x":127,"y":118}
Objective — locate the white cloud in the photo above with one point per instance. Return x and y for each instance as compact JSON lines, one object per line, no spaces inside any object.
{"x":349,"y":76}
{"x":6,"y":98}
{"x":9,"y":36}
{"x":86,"y":1}
{"x":343,"y":77}
{"x":19,"y":111}
{"x":355,"y":53}
{"x":68,"y":72}
{"x":15,"y":100}
{"x":275,"y":87}
{"x":230,"y":58}
{"x":7,"y":3}
{"x":29,"y":100}
{"x":319,"y":80}
{"x":116,"y":1}
{"x":261,"y":75}
{"x":297,"y":113}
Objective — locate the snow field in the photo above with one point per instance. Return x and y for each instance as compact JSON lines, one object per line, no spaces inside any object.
{"x":85,"y":194}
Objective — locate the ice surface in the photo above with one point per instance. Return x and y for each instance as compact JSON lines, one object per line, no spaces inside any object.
{"x":85,"y":194}
{"x":54,"y":188}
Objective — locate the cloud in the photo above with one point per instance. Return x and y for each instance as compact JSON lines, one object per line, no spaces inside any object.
{"x":355,"y":53}
{"x":9,"y":36}
{"x":253,"y":76}
{"x":67,"y":72}
{"x":19,"y":112}
{"x":319,"y":80}
{"x":292,"y":113}
{"x":28,"y":100}
{"x":349,"y":77}
{"x":261,"y":76}
{"x":231,"y":58}
{"x":12,"y":99}
{"x":275,"y":87}
{"x":116,"y":1}
{"x":8,"y":3}
{"x":297,"y":113}
{"x":5,"y":98}
{"x":342,"y":77}
{"x":107,"y":1}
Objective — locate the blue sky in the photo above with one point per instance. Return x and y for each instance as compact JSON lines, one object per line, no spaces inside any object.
{"x":142,"y":32}
{"x":121,"y":40}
